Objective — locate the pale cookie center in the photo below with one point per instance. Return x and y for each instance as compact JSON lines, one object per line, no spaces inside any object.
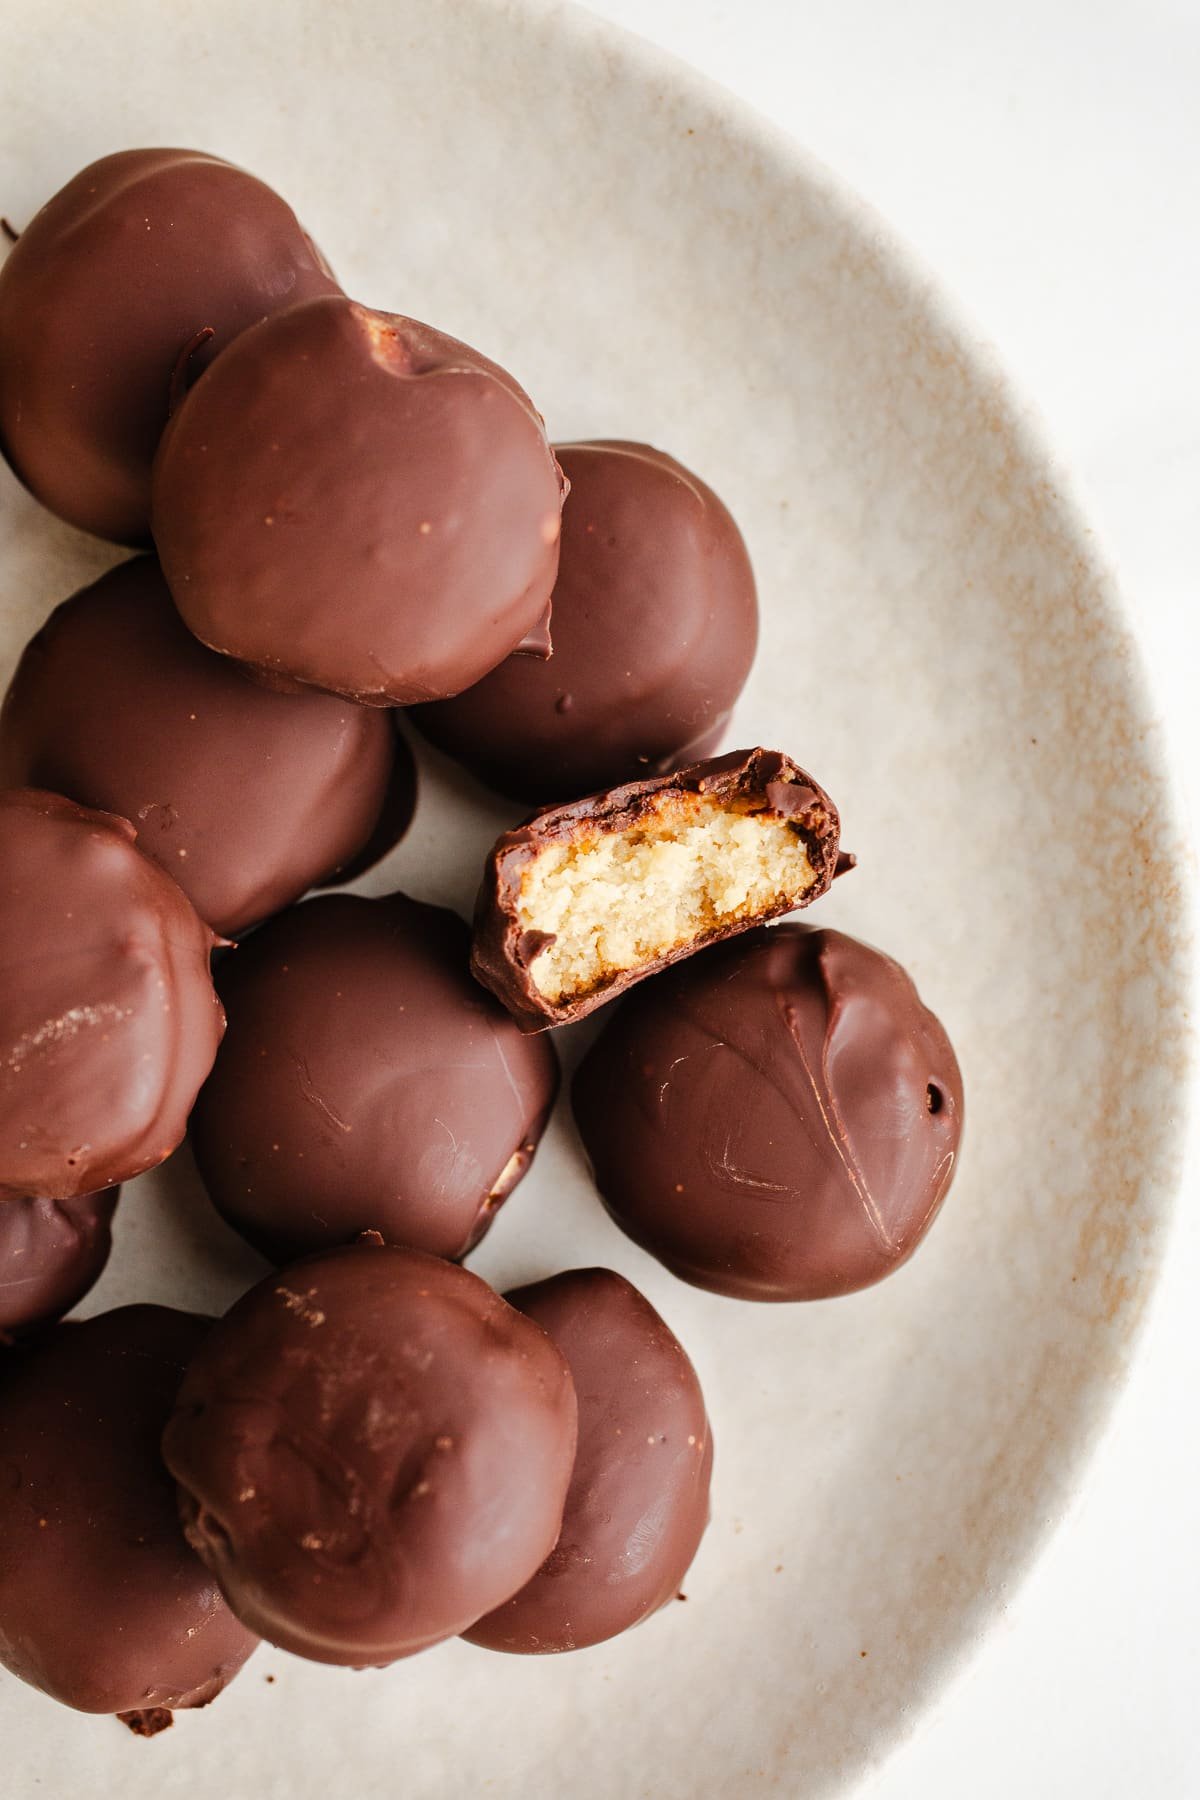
{"x":615,"y":900}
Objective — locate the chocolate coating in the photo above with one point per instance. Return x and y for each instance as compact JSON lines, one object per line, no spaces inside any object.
{"x":102,"y":1604}
{"x":372,"y":1449}
{"x":51,"y":1253}
{"x":352,"y":500}
{"x":637,"y":1505}
{"x":246,"y":798}
{"x":776,"y":1121}
{"x":98,"y":297}
{"x":108,"y":1018}
{"x":366,"y":1083}
{"x":655,"y":625}
{"x":502,"y":950}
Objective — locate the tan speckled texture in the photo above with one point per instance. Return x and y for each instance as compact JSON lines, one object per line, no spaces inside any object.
{"x":652,"y":262}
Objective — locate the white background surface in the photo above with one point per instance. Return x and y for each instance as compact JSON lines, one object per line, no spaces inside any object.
{"x":1043,"y":158}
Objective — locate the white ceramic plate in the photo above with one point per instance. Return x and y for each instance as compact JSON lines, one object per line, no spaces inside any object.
{"x":941,"y":646}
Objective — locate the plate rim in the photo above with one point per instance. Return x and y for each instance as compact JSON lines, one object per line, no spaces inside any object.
{"x":1178,"y":1150}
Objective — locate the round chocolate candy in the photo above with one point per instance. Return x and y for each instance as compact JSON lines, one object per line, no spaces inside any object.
{"x":245,"y":797}
{"x":637,"y":1505}
{"x":777,"y":1119}
{"x":373,"y":1449}
{"x":366,"y":1083}
{"x":351,"y":500}
{"x":654,"y":625}
{"x":99,"y":298}
{"x":108,"y":1018}
{"x":51,"y":1253}
{"x":102,"y":1604}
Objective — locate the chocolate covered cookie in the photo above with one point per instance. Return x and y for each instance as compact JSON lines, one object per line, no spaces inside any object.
{"x":366,"y":1083}
{"x":353,"y":501}
{"x":373,"y":1449}
{"x":102,"y":1603}
{"x":246,"y":798}
{"x":778,"y":1120}
{"x":655,"y":624}
{"x":51,"y":1253}
{"x":637,"y":1505}
{"x":108,"y":1017}
{"x":101,"y":296}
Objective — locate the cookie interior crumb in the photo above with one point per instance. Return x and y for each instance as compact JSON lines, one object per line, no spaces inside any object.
{"x":689,"y":864}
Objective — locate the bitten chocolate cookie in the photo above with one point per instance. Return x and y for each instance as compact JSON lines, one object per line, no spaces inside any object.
{"x":366,"y":1083}
{"x":373,"y":1449}
{"x":655,"y":624}
{"x":99,"y":297}
{"x":584,"y":900}
{"x":246,"y":798}
{"x":108,"y":1017}
{"x":637,"y":1505}
{"x":778,"y":1120}
{"x":356,"y":502}
{"x":102,"y":1604}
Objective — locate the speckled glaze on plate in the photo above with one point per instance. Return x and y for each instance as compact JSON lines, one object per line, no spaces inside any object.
{"x":942,"y":646}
